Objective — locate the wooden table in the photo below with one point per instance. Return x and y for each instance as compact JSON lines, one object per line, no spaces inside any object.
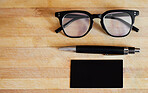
{"x":31,"y":62}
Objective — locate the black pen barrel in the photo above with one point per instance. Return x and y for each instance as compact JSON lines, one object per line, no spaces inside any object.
{"x":101,"y":49}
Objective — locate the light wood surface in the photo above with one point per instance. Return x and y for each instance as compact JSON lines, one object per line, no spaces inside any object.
{"x":31,"y":63}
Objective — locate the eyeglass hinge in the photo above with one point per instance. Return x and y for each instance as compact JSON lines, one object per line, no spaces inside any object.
{"x":136,"y":13}
{"x":57,"y":14}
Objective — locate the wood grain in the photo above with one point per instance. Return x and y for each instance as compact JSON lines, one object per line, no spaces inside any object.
{"x":74,"y":3}
{"x":30,"y":61}
{"x":60,"y":83}
{"x":73,"y":91}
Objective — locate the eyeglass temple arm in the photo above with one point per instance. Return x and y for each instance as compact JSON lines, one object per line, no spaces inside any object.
{"x":76,"y":17}
{"x":114,"y":16}
{"x":126,"y":23}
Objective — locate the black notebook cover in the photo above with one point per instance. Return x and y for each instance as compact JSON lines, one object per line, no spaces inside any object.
{"x":96,"y":74}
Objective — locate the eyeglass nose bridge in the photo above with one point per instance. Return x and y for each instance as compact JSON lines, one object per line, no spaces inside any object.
{"x":96,"y":16}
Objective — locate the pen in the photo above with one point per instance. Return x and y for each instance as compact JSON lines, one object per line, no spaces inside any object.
{"x":101,"y":49}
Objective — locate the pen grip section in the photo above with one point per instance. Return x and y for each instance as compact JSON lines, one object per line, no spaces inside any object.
{"x":100,"y":49}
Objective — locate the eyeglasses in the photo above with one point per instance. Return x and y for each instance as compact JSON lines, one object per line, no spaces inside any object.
{"x":116,"y":23}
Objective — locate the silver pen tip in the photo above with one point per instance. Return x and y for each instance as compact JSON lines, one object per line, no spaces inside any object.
{"x":68,"y":48}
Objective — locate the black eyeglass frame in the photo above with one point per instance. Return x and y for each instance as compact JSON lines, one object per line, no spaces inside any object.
{"x":132,"y":13}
